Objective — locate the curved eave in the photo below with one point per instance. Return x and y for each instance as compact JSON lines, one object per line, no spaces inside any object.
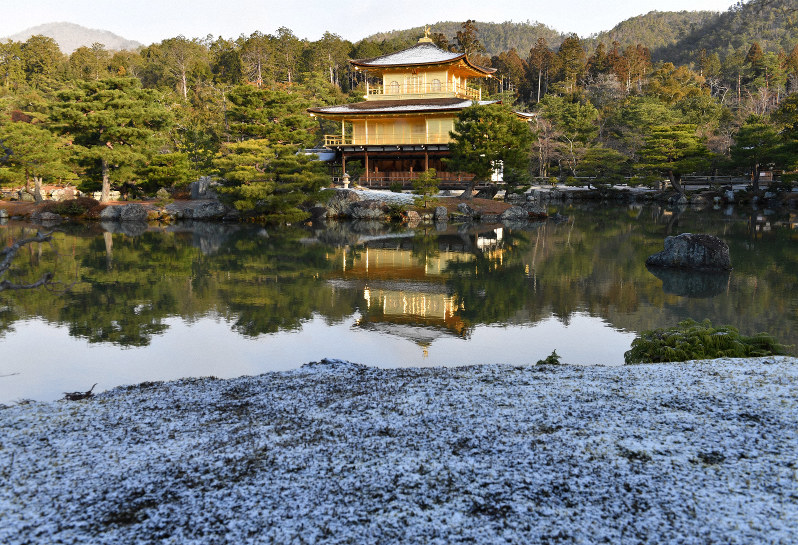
{"x":370,"y":114}
{"x":383,"y":67}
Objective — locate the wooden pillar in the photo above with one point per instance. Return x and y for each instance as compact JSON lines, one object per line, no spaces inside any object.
{"x":343,"y":163}
{"x":366,"y":174}
{"x":426,"y":160}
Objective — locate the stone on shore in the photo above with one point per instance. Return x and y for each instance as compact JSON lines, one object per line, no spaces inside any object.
{"x":693,"y":251}
{"x":110,"y":213}
{"x":132,"y":212}
{"x":515,"y":213}
{"x":368,"y":210}
{"x":340,"y":203}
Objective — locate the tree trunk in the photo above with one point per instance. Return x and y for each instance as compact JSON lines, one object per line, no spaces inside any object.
{"x":676,"y":181}
{"x":105,"y":196}
{"x":468,"y":194}
{"x":37,"y":189}
{"x":185,"y":86}
{"x":540,"y":77}
{"x":755,"y":177}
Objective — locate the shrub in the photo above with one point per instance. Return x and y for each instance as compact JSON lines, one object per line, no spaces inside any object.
{"x":71,"y":207}
{"x":396,"y":187}
{"x":693,"y":341}
{"x":551,"y":359}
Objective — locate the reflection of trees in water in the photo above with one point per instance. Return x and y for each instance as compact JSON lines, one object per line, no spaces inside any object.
{"x":124,"y":288}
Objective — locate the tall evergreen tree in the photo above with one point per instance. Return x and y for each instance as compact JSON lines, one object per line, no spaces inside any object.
{"x":113,"y":123}
{"x":540,"y":60}
{"x":468,"y":39}
{"x":755,"y":145}
{"x":486,"y":135}
{"x":571,"y":61}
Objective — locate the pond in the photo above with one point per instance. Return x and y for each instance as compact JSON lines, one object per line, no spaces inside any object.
{"x":137,"y":303}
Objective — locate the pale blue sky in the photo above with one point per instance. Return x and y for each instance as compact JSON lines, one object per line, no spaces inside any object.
{"x":150,"y":21}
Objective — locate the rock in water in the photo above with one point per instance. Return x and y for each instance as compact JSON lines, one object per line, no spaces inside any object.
{"x":690,"y":251}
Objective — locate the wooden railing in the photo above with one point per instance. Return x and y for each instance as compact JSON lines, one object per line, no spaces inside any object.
{"x":386,"y":180}
{"x":332,"y":140}
{"x":461,"y":91}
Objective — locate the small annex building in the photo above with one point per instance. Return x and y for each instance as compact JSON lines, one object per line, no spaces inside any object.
{"x":402,"y":127}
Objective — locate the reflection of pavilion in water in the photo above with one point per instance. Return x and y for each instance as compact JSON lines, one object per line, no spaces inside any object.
{"x":403,"y":282}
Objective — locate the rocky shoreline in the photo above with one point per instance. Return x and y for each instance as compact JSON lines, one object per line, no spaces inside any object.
{"x":376,"y":205}
{"x":334,"y":452}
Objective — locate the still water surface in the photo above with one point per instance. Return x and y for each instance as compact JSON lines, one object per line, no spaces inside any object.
{"x":144,"y":304}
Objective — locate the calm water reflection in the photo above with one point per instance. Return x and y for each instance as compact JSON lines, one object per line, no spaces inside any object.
{"x":224,"y":300}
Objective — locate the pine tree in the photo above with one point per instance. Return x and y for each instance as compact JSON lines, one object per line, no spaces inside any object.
{"x":113,"y":123}
{"x":426,"y":185}
{"x":674,"y":150}
{"x":269,"y":181}
{"x":484,"y":136}
{"x":277,"y":116}
{"x":34,"y":154}
{"x":755,"y":145}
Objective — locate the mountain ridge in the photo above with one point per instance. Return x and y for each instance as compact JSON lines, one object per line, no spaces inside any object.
{"x":70,"y":36}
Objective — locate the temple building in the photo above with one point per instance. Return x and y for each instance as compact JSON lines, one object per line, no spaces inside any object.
{"x":402,"y":128}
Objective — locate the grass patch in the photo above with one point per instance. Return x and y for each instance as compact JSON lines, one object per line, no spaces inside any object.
{"x":693,"y":341}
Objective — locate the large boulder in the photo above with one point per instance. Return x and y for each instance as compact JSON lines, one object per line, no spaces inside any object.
{"x":514,"y":213}
{"x":340,"y":203}
{"x":441,"y":214}
{"x":133,"y":212}
{"x":3,"y":213}
{"x":110,"y":213}
{"x":693,"y":251}
{"x":206,"y":211}
{"x":368,"y":210}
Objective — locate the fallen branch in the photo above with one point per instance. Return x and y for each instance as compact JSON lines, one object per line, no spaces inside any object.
{"x":77,"y":396}
{"x":8,"y":255}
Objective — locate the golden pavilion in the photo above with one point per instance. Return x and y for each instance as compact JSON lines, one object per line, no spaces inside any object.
{"x":403,"y":126}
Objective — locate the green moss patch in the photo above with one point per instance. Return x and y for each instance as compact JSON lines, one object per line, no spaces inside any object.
{"x":693,"y":341}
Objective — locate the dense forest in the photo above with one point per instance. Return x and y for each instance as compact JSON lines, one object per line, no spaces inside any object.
{"x":723,"y":100}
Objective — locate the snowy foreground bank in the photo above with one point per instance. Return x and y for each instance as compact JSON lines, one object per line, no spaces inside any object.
{"x":340,"y":453}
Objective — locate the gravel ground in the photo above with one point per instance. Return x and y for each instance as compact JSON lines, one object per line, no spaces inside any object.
{"x":335,"y":452}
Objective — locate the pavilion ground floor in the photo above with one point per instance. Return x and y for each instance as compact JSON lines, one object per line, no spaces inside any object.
{"x":386,"y":166}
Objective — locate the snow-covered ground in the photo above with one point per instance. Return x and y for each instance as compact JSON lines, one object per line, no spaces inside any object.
{"x":335,"y":452}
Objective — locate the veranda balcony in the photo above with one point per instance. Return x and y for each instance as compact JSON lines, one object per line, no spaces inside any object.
{"x":334,"y":140}
{"x":396,"y":91}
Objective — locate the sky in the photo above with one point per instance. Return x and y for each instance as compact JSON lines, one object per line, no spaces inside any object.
{"x":150,"y":21}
